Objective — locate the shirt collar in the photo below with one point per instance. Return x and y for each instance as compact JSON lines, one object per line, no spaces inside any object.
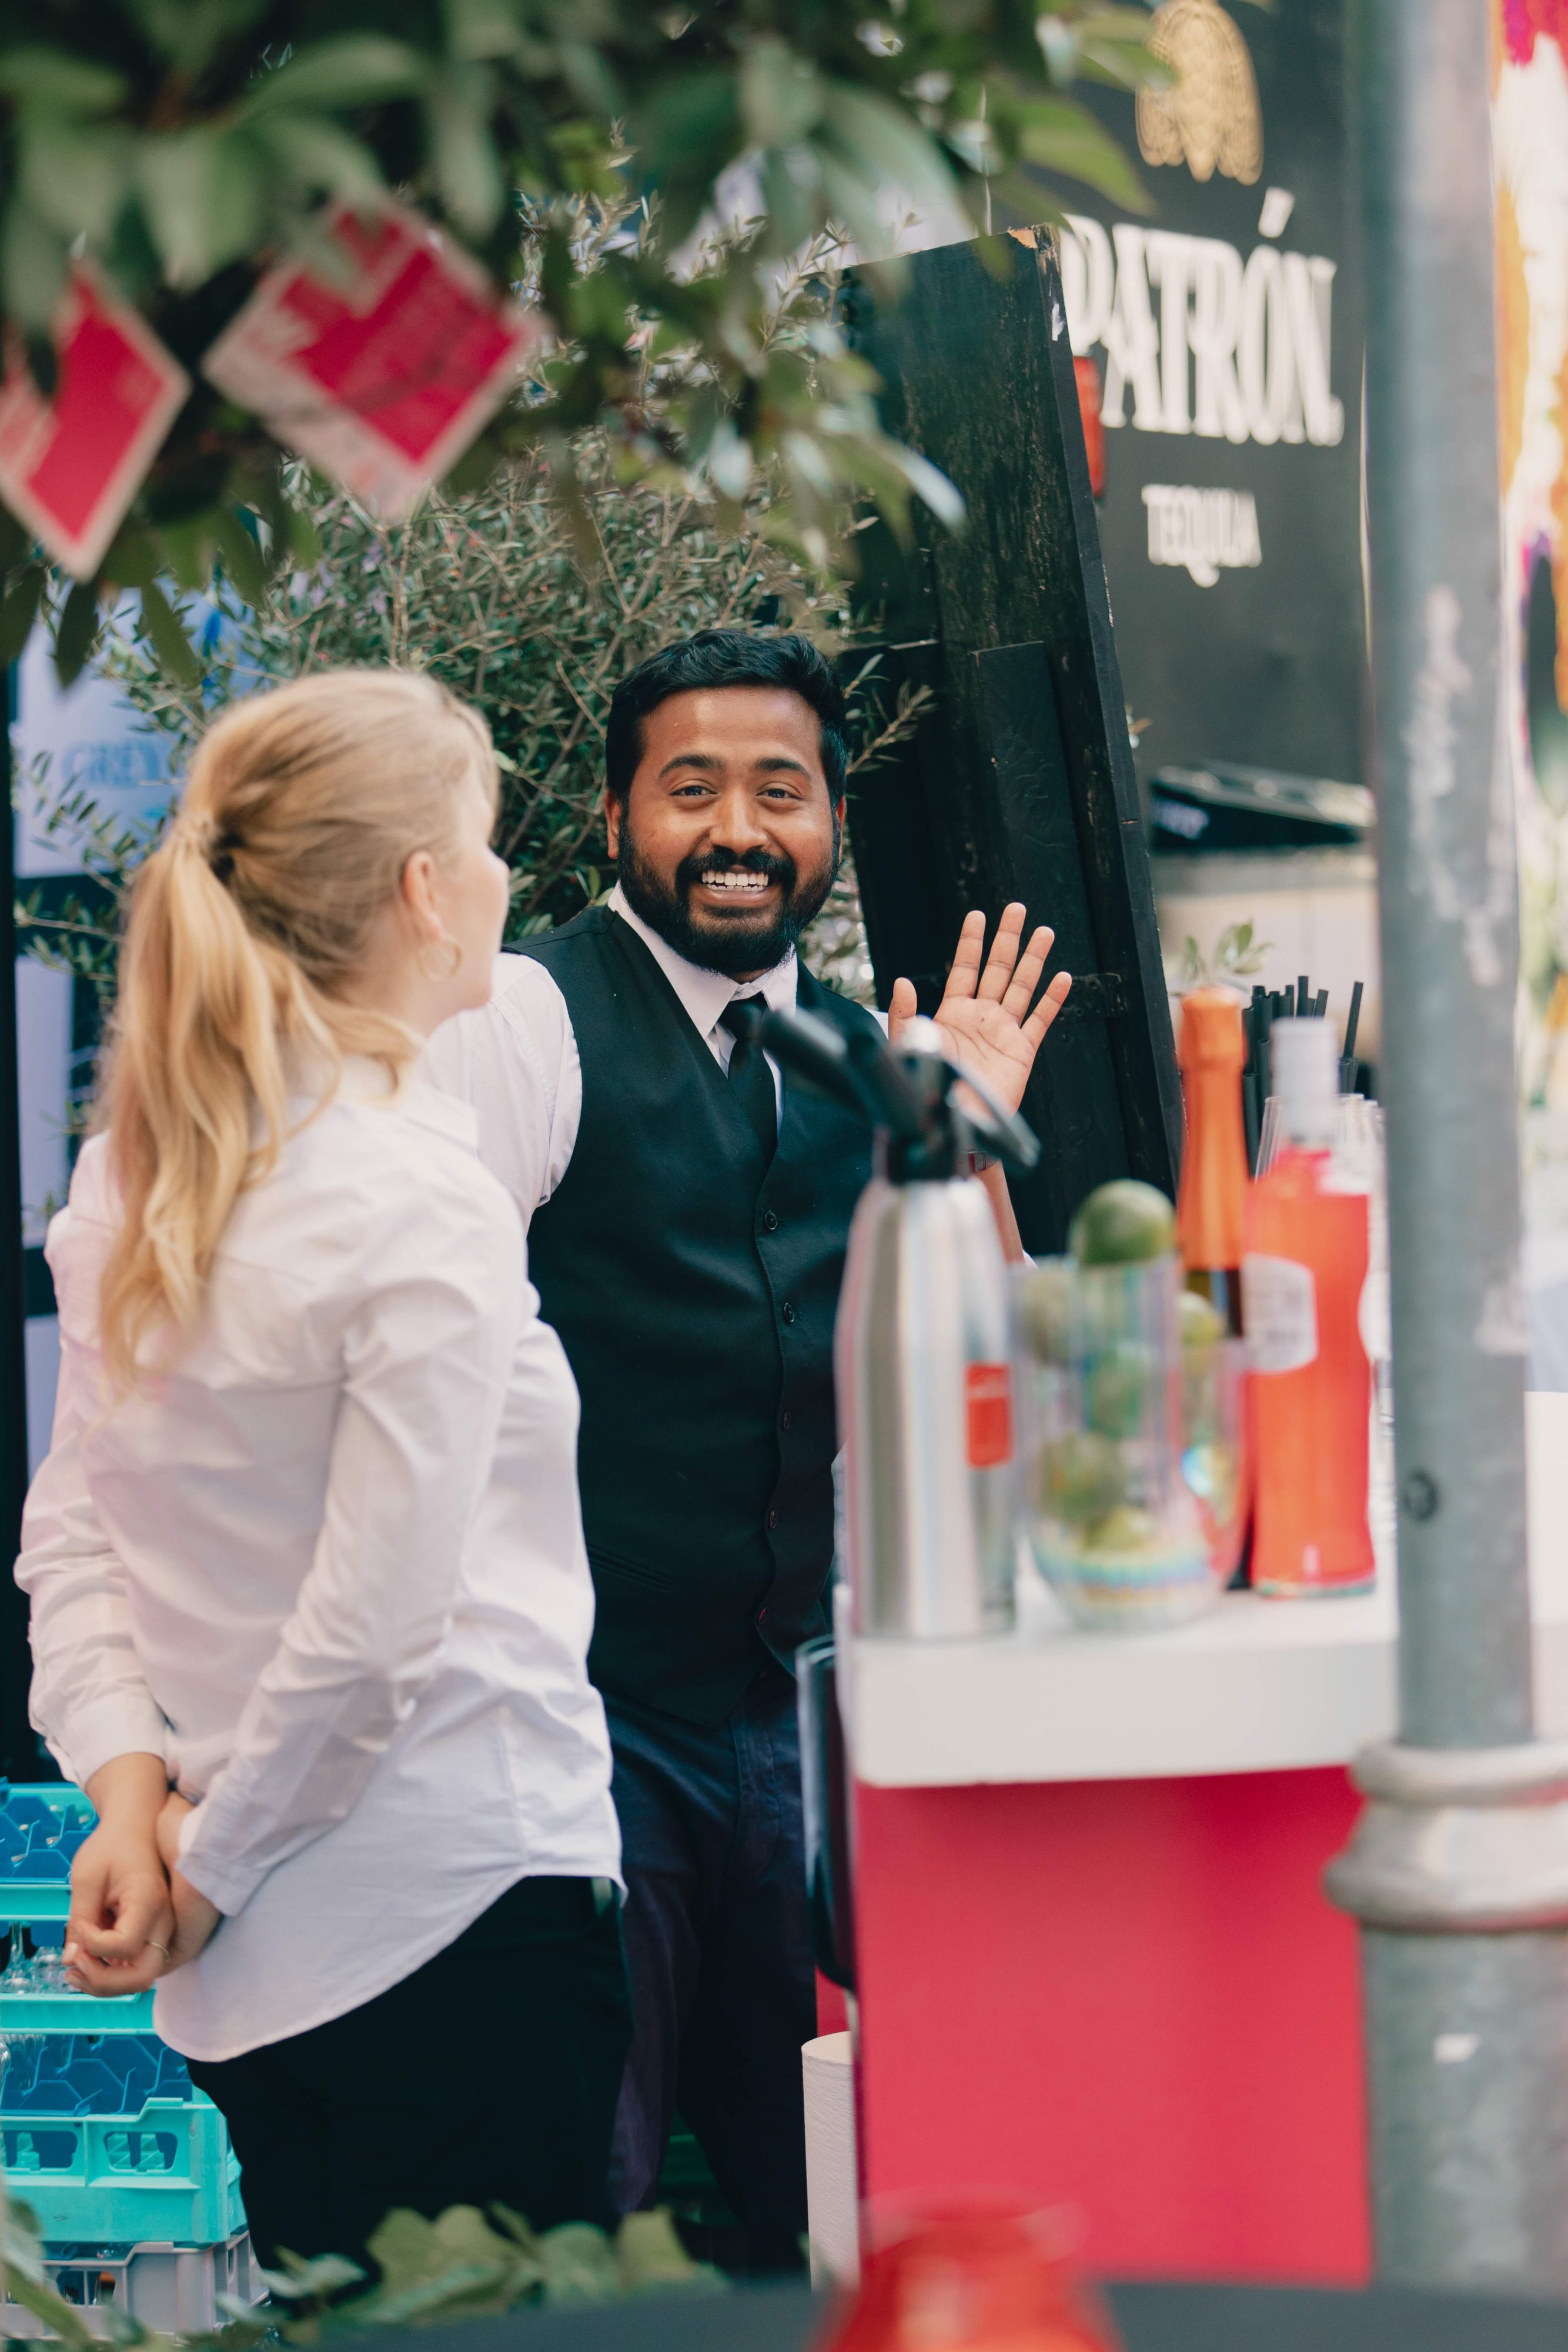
{"x":705,"y":994}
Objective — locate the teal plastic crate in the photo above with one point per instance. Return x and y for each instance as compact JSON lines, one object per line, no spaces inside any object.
{"x":41,"y":1826}
{"x":111,"y":2144}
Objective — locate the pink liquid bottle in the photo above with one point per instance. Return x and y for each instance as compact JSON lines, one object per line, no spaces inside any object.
{"x":1307,"y":1241}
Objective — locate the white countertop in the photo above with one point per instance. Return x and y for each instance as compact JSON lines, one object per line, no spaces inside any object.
{"x":1256,"y":1685}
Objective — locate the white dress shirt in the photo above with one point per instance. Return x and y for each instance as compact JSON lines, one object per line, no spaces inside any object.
{"x":517,"y":1061}
{"x":331,"y":1568}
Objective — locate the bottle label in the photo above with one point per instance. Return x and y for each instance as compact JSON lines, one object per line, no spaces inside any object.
{"x":987,"y":1415}
{"x":1279,"y":1309}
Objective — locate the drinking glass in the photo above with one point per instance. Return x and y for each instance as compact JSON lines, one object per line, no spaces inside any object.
{"x":1117,"y":1530}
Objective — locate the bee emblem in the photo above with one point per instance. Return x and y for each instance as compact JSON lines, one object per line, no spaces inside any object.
{"x":1210,"y":116}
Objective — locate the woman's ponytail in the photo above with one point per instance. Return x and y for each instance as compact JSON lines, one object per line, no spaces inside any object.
{"x":247,"y":925}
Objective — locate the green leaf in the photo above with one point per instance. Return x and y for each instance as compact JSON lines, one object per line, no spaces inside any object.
{"x":455,"y":2265}
{"x":1113,"y":48}
{"x":241,"y":554}
{"x":780,"y":96}
{"x":586,"y":75}
{"x":16,"y":541}
{"x":1058,"y":135}
{"x":78,"y":85}
{"x":1116,"y":68}
{"x":187,"y":542}
{"x":33,"y":262}
{"x":204,"y":198}
{"x":78,"y":632}
{"x":191,"y":32}
{"x":463,"y":153}
{"x":483,"y":29}
{"x":317,"y":155}
{"x":579,"y":2265}
{"x":791,"y":211}
{"x":19,"y":612}
{"x":304,"y":539}
{"x":884,"y":144}
{"x":301,"y":2281}
{"x":693,"y":118}
{"x":76,"y":179}
{"x":166,"y":635}
{"x":131,"y":562}
{"x":930,"y":486}
{"x":649,"y":2254}
{"x":1114,"y":24}
{"x":351,"y":69}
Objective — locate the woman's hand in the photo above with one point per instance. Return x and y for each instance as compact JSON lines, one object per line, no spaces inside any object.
{"x":121,"y":1922}
{"x":195,"y":1919}
{"x":986,"y":1014}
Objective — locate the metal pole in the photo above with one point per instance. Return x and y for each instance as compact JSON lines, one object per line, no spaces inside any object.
{"x":1458,"y":1867}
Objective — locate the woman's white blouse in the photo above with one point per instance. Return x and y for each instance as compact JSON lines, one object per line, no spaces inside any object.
{"x":332,"y":1567}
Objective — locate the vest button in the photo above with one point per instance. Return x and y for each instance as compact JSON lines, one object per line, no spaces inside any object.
{"x":788,"y":1310}
{"x":772,"y":1521}
{"x":769,"y":1222}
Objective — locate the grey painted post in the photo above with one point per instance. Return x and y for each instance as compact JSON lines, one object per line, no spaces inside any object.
{"x":1458,"y":1867}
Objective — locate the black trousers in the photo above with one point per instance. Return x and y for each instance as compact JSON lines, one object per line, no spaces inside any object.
{"x":718,"y":1946}
{"x":489,"y":2076}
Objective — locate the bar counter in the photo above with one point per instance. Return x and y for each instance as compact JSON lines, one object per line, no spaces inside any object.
{"x":1095,"y":1961}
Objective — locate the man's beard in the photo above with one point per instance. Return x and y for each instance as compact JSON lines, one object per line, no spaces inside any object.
{"x":733,"y":948}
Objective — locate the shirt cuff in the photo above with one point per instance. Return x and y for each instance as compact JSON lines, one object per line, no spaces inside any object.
{"x":229,"y":1889}
{"x":124,"y":1724}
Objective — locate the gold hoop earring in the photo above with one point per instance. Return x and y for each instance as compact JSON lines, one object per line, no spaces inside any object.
{"x":445,"y":941}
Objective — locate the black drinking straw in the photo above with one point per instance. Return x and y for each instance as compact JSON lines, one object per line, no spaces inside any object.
{"x":1348,"y":1069}
{"x":1321,"y":1004}
{"x":1252,"y":1100}
{"x":1301,"y":998}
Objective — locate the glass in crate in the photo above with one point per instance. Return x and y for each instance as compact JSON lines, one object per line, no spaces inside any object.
{"x":1117,"y":1531}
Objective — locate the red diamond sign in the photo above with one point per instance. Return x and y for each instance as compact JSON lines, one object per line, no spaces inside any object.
{"x":70,"y":466}
{"x":380,"y":374}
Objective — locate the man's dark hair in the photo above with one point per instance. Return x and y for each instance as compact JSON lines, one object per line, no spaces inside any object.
{"x":718,"y":657}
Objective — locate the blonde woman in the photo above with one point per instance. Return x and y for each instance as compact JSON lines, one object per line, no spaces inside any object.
{"x":305,"y":1551}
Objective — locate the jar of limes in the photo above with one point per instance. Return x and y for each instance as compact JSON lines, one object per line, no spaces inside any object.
{"x":1132,"y":1396}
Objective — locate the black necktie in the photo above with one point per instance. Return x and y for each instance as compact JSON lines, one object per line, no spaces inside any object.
{"x":749,"y":1074}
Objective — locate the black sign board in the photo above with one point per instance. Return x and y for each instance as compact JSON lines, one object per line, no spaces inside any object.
{"x":1019,"y":783}
{"x":1225,"y":330}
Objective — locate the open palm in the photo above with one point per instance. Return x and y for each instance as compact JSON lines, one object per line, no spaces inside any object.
{"x":985,"y":1010}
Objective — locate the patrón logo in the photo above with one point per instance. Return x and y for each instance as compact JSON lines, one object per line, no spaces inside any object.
{"x":1210,"y":116}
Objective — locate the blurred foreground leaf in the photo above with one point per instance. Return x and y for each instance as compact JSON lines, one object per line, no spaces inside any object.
{"x":182,"y":144}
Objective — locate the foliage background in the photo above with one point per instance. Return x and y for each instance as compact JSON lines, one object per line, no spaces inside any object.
{"x":181,"y":144}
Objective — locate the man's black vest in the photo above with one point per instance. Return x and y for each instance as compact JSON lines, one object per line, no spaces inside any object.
{"x":695,"y":1287}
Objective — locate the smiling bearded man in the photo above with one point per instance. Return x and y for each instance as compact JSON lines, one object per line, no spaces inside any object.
{"x":688,"y":1213}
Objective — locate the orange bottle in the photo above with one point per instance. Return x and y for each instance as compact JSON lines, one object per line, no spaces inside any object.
{"x":1303,"y":1275}
{"x":1213,"y":1189}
